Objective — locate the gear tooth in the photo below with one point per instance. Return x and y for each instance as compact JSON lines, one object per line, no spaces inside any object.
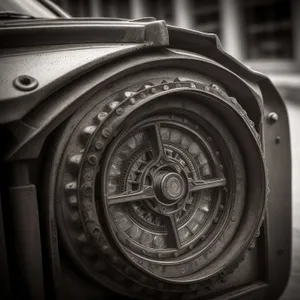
{"x":75,"y":160}
{"x":87,"y":132}
{"x":71,"y":187}
{"x":112,"y":105}
{"x":129,"y":94}
{"x":177,"y":79}
{"x":101,"y":116}
{"x":146,"y":85}
{"x":164,"y":82}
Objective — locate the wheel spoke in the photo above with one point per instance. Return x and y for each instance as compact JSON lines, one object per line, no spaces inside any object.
{"x":146,"y":193}
{"x":206,"y":184}
{"x":157,"y":143}
{"x":173,"y":234}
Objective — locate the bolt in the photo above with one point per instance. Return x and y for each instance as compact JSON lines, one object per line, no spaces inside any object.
{"x":106,"y":132}
{"x":221,"y":207}
{"x":101,"y":116}
{"x":214,"y":86}
{"x":207,"y":88}
{"x":166,"y":87}
{"x":143,"y":95}
{"x":193,"y":85}
{"x":119,"y":111}
{"x":98,"y":145}
{"x":87,"y":189}
{"x":132,"y":101}
{"x":153,"y":90}
{"x":273,"y":117}
{"x":92,"y":159}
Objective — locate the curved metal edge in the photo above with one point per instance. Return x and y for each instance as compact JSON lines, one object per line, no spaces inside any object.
{"x":39,"y":122}
{"x":278,"y":157}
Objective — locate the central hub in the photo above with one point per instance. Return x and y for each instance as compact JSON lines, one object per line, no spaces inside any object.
{"x":172,"y":186}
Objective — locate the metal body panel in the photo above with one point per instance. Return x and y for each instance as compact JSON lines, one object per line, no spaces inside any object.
{"x":63,"y":89}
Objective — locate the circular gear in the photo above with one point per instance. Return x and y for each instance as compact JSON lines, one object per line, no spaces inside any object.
{"x":151,"y":188}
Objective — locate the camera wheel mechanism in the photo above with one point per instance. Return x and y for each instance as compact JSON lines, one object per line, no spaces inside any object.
{"x":151,"y":180}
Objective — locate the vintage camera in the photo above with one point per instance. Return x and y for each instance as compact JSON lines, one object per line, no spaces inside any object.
{"x":139,"y":161}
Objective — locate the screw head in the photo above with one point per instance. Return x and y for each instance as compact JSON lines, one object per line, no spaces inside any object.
{"x":273,"y":117}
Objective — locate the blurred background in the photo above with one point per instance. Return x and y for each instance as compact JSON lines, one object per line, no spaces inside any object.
{"x":263,"y":34}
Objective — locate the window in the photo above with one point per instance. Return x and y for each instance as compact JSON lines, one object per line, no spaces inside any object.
{"x":268,"y":29}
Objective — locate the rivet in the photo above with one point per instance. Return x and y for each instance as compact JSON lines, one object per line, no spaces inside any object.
{"x":257,"y":234}
{"x":87,"y":189}
{"x":98,"y":145}
{"x":221,"y":167}
{"x":207,"y":88}
{"x":153,"y":90}
{"x":221,"y":207}
{"x":25,"y":83}
{"x":202,"y":237}
{"x":182,"y":271}
{"x":132,"y":100}
{"x":119,"y":111}
{"x":191,"y":247}
{"x":217,"y":153}
{"x":143,"y":95}
{"x":252,"y":246}
{"x":92,"y":159}
{"x":216,"y":220}
{"x":273,"y":117}
{"x":209,"y":139}
{"x":105,"y":248}
{"x":214,"y":86}
{"x":166,"y":87}
{"x":82,"y":238}
{"x":88,"y":176}
{"x":175,"y":254}
{"x":106,"y":132}
{"x":233,"y":218}
{"x":193,"y":85}
{"x":277,"y":140}
{"x":72,"y":200}
{"x":159,"y":255}
{"x":233,"y":100}
{"x":101,"y":116}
